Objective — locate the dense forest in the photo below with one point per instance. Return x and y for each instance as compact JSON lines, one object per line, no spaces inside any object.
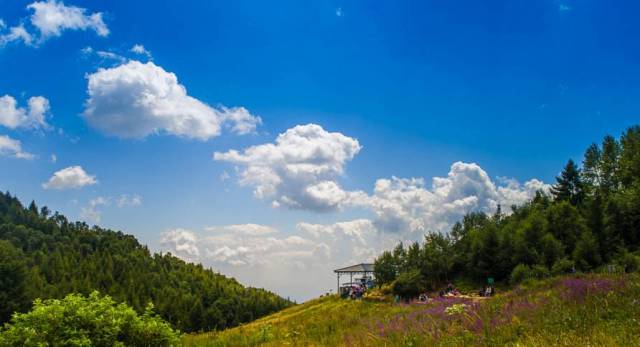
{"x":43,"y":255}
{"x":590,"y":219}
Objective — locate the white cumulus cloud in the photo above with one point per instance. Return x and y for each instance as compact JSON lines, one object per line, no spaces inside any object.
{"x":13,"y":148}
{"x":181,"y":242}
{"x":50,"y":19}
{"x":32,"y":117}
{"x":300,"y":170}
{"x":73,"y":177}
{"x":53,"y":17}
{"x":135,"y":100}
{"x":407,"y":205}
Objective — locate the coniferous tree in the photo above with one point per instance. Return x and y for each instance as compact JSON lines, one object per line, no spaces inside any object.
{"x":610,"y":165}
{"x":13,"y":278}
{"x":630,"y":156}
{"x":591,"y":170}
{"x":569,"y":185}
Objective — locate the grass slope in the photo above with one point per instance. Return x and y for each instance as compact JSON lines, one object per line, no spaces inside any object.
{"x":587,"y":310}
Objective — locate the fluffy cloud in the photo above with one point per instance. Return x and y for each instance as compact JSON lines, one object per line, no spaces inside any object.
{"x":299,"y":170}
{"x":181,"y":242}
{"x":53,"y":17}
{"x":12,"y":148}
{"x":32,"y":117}
{"x":72,"y":177}
{"x":240,"y":121}
{"x":407,"y":205}
{"x":135,"y":100}
{"x":359,"y":230}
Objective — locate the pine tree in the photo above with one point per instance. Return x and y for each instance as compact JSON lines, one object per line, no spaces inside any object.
{"x":630,"y":156}
{"x":591,"y":167}
{"x":609,"y":165}
{"x":569,"y":186}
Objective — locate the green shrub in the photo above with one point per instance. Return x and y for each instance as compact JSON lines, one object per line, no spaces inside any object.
{"x":629,"y":262}
{"x":86,"y":321}
{"x":524,"y":272}
{"x":562,"y":266}
{"x":540,"y":272}
{"x":520,"y":273}
{"x":409,"y":284}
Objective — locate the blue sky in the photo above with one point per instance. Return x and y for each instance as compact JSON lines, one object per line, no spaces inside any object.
{"x":484,"y":97}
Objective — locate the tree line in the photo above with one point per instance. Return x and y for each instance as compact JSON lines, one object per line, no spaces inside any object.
{"x":45,"y":256}
{"x":589,"y":219}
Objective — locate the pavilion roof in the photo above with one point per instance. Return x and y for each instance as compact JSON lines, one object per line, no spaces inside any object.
{"x":356,"y":268}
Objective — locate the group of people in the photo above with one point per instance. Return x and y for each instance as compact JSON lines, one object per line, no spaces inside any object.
{"x":450,"y":290}
{"x":353,"y":291}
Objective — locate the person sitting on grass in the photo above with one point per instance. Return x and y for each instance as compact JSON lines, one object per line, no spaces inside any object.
{"x":488,"y":291}
{"x":483,"y":291}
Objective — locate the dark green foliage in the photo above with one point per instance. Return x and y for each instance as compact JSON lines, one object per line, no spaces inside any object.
{"x":569,"y":185}
{"x":521,"y":273}
{"x":87,"y":321}
{"x":385,"y":268}
{"x":60,"y":257}
{"x":592,"y":220}
{"x":13,"y":277}
{"x":409,"y":284}
{"x":587,"y":254}
{"x":628,"y":261}
{"x":563,"y":266}
{"x":525,"y":272}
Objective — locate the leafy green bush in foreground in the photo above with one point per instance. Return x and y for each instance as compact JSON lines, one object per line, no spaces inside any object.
{"x":86,"y":321}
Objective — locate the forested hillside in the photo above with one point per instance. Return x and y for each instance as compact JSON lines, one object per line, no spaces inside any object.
{"x":43,"y":255}
{"x":589,"y":219}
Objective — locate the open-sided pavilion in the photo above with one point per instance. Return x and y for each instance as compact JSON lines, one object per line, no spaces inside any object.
{"x":359,"y":269}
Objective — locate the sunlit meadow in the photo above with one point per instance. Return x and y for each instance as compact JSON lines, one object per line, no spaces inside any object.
{"x":596,"y":310}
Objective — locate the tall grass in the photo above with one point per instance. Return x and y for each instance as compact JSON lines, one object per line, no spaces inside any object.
{"x":588,"y":310}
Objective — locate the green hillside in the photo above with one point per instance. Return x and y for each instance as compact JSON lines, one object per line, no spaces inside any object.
{"x":43,"y":255}
{"x":582,"y":310}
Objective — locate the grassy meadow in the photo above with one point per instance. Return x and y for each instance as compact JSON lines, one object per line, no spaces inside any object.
{"x":582,"y":310}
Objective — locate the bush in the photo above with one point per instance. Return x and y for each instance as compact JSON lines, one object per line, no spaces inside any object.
{"x":409,"y":284}
{"x":86,"y":321}
{"x":562,"y":266}
{"x":629,"y":262}
{"x":540,"y":272}
{"x":524,"y":272}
